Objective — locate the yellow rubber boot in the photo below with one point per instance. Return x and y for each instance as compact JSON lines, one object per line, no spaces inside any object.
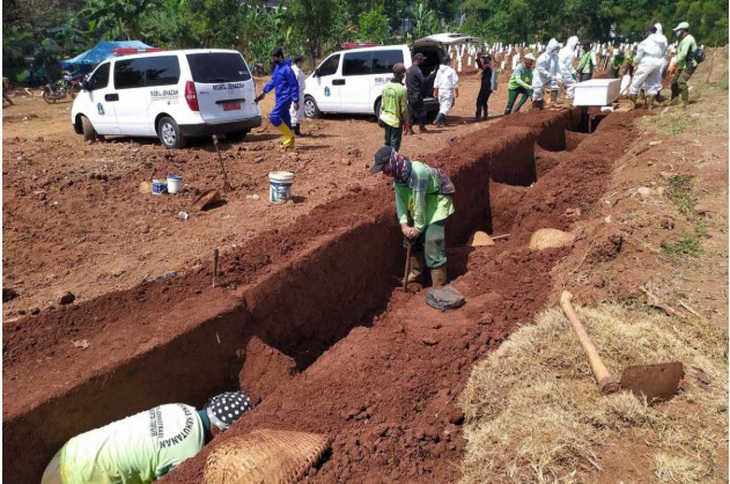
{"x":288,"y":135}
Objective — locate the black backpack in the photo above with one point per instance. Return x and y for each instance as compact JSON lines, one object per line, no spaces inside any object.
{"x":699,"y":55}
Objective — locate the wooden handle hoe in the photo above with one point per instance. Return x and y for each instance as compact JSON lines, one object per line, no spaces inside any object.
{"x":408,"y":267}
{"x":606,"y":383}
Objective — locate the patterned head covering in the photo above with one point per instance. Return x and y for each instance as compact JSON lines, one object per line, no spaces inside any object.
{"x":226,"y":408}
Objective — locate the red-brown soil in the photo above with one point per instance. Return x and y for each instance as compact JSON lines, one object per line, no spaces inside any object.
{"x":304,"y":317}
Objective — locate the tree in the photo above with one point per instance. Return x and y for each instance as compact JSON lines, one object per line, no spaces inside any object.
{"x":374,"y":26}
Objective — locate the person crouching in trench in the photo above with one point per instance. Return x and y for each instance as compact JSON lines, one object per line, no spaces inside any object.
{"x":146,"y":446}
{"x":422,"y":211}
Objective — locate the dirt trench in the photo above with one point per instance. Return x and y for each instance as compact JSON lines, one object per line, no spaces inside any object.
{"x":305,"y":319}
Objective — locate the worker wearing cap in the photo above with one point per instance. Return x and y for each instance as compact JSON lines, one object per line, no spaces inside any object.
{"x":287,"y":94}
{"x":649,"y":62}
{"x":145,"y":446}
{"x":394,"y":108}
{"x":686,"y":64}
{"x":445,"y":89}
{"x":297,"y":114}
{"x":568,"y":74}
{"x":422,"y":211}
{"x":587,"y":62}
{"x":547,"y":67}
{"x":520,"y":83}
{"x":415,"y":81}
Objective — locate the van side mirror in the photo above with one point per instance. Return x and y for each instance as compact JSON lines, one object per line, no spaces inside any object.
{"x":316,"y":72}
{"x":84,"y":85}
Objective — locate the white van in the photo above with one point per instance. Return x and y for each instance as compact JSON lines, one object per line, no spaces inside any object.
{"x":173,"y":95}
{"x":351,"y":81}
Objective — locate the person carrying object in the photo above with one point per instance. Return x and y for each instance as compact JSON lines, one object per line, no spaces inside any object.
{"x":587,"y":62}
{"x":485,"y":89}
{"x":415,"y":81}
{"x":685,"y":62}
{"x":145,"y":446}
{"x":423,"y":204}
{"x":547,"y":68}
{"x":648,"y":69}
{"x":566,"y":57}
{"x":617,"y":60}
{"x":520,"y":83}
{"x":394,"y":108}
{"x":297,"y":115}
{"x":445,"y":89}
{"x":284,"y":81}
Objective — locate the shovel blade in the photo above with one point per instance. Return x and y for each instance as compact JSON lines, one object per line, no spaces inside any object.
{"x":658,"y":383}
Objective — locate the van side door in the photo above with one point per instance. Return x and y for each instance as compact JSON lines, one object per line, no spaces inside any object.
{"x":321,"y":87}
{"x":93,"y":103}
{"x":144,"y":87}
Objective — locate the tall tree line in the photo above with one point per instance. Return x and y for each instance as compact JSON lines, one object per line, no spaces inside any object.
{"x":48,"y":30}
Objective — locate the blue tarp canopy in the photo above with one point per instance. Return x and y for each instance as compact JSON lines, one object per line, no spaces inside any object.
{"x":100,"y":52}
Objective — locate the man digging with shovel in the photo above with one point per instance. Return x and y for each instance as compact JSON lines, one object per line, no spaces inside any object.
{"x":423,"y":204}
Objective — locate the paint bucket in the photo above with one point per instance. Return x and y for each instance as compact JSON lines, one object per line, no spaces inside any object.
{"x":174,"y":183}
{"x":159,"y":187}
{"x":280,"y":183}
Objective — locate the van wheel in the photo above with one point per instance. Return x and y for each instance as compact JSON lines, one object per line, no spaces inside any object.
{"x":310,"y":107}
{"x":87,"y":129}
{"x":377,"y":109}
{"x":169,"y":133}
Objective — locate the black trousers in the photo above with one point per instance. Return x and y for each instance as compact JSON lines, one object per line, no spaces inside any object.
{"x":416,"y":110}
{"x":482,"y":100}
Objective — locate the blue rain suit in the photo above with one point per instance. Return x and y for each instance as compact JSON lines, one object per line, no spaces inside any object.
{"x":284,"y":81}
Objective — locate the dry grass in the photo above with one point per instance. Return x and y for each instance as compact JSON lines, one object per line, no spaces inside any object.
{"x":534,"y":413}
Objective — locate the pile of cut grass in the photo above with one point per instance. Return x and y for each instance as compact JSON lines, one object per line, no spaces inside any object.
{"x":534,"y":414}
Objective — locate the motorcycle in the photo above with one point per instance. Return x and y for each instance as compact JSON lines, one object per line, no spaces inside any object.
{"x":68,"y":86}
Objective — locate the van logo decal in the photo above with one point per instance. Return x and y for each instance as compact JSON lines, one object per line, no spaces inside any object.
{"x":327,"y":91}
{"x":228,"y":86}
{"x":100,"y":109}
{"x":379,"y":81}
{"x":164,"y":94}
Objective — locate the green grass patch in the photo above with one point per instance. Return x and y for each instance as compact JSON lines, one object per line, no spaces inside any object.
{"x":681,"y":194}
{"x":686,"y":246}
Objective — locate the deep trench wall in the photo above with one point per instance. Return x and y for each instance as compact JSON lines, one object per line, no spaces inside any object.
{"x":189,"y":368}
{"x":301,"y":308}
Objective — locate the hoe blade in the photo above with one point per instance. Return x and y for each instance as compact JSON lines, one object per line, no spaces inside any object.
{"x":657,"y":383}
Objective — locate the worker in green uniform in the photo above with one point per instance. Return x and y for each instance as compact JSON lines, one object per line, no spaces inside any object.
{"x":617,"y":61}
{"x":520,"y":83}
{"x":686,"y":65}
{"x":394,"y":108}
{"x":587,"y":62}
{"x":423,"y":204}
{"x":146,"y":446}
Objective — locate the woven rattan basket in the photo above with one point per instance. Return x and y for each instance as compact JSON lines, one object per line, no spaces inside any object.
{"x":265,"y":456}
{"x":550,"y":238}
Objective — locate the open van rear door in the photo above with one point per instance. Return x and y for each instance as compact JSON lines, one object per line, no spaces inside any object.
{"x":446,"y":39}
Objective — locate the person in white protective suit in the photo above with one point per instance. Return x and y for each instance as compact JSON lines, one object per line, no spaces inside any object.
{"x":661,"y":40}
{"x":445,"y":89}
{"x":648,"y":70}
{"x":547,"y":71}
{"x":298,"y":114}
{"x":568,"y":74}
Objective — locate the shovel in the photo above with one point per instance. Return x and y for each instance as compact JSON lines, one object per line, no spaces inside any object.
{"x":409,"y":246}
{"x":656,"y":383}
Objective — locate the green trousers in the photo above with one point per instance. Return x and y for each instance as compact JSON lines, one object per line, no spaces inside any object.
{"x":393,"y":136}
{"x":433,"y":243}
{"x":679,"y":83}
{"x":513,"y":93}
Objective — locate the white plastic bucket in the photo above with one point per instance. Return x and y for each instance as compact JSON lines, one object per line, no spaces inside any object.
{"x":280,"y":183}
{"x":174,"y":183}
{"x":159,"y":187}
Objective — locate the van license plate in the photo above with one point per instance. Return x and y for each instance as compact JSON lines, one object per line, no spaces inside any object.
{"x":231,"y":106}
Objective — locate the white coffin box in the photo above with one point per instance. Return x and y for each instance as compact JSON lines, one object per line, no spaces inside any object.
{"x":597,"y":92}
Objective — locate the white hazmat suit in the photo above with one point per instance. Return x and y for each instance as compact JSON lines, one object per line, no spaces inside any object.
{"x":663,"y":44}
{"x":649,"y":62}
{"x":566,"y":57}
{"x":546,"y":69}
{"x":298,"y":114}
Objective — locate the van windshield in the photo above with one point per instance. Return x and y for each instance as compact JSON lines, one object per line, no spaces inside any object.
{"x":212,"y":67}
